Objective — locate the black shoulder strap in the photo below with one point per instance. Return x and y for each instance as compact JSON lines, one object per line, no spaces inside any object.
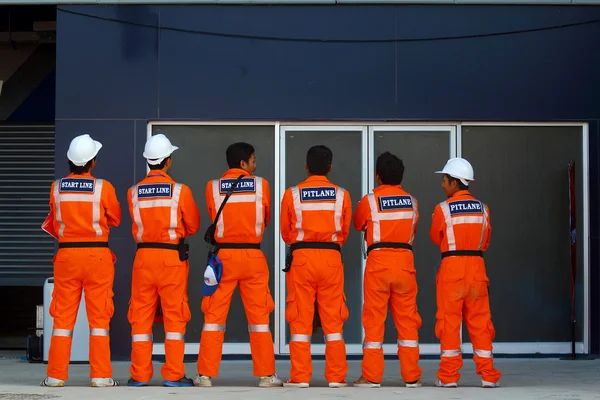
{"x":229,"y":193}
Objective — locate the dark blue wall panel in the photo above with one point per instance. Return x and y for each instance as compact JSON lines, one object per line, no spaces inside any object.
{"x":112,"y":77}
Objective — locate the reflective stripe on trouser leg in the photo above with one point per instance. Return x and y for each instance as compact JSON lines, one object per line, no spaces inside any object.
{"x":262,"y":349}
{"x":336,"y":365}
{"x":211,"y":349}
{"x":408,"y":354}
{"x":141,"y":357}
{"x":484,"y":365}
{"x":99,"y":353}
{"x":300,"y":358}
{"x":173,"y":369}
{"x":59,"y":354}
{"x":373,"y":363}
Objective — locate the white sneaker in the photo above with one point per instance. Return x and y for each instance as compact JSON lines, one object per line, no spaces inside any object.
{"x":289,"y":383}
{"x":202,"y":381}
{"x":52,"y":382}
{"x":416,"y":384}
{"x":338,"y":384}
{"x":439,"y":383}
{"x":104,"y":382}
{"x":489,"y":385}
{"x":269,"y":381}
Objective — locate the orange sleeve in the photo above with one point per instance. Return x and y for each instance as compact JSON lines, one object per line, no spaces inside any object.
{"x":112,"y":208}
{"x":51,"y":203}
{"x":130,"y":202}
{"x":488,"y":232}
{"x":285,"y":225}
{"x":189,"y":211}
{"x":436,"y":233}
{"x":346,"y":216}
{"x":361,"y":216}
{"x":267,"y":201}
{"x":210,"y":203}
{"x":417,"y":216}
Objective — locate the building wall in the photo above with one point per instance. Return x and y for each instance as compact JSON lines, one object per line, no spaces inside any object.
{"x":111,"y":78}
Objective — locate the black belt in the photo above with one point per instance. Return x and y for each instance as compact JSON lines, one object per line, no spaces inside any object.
{"x":183,"y":248}
{"x":71,"y":245}
{"x":467,"y":253}
{"x":315,"y":245}
{"x":308,"y":245}
{"x":238,"y":246}
{"x":389,"y":245}
{"x":157,"y":245}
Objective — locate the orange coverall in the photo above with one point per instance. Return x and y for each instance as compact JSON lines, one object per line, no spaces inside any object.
{"x":316,"y":210}
{"x":162,"y":211}
{"x":242,"y":221}
{"x":82,"y":210}
{"x":390,"y":216}
{"x":463,"y":223}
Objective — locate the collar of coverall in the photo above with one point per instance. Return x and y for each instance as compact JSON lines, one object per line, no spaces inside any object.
{"x":381,"y":187}
{"x":235,"y":171}
{"x":314,"y":178}
{"x":84,"y":175}
{"x":156,"y":172}
{"x":461,"y":193}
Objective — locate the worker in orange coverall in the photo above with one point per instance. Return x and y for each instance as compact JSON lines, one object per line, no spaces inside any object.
{"x":82,"y":210}
{"x":163,"y":214}
{"x":315,"y":221}
{"x":461,"y":228}
{"x":389,"y":216}
{"x":239,"y":231}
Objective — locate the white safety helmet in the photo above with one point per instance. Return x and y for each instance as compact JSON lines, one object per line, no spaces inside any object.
{"x":458,"y":168}
{"x":157,"y":148}
{"x":83,"y":149}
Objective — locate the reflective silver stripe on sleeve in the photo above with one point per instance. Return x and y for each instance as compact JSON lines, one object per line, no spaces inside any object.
{"x":337,"y":212}
{"x":449,"y":229}
{"x":333,"y":337}
{"x":99,"y":332}
{"x":137,"y":217}
{"x":451,"y":353}
{"x":174,"y":336}
{"x":300,"y":338}
{"x":298,"y":211}
{"x":174,"y":209}
{"x":259,"y":328}
{"x":96,"y":206}
{"x":214,"y":327}
{"x":141,"y":337}
{"x":372,"y":345}
{"x":62,"y":332}
{"x":408,"y":343}
{"x":259,"y":205}
{"x":483,"y":353}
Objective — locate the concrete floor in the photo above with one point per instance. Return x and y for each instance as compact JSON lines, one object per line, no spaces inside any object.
{"x":550,"y":379}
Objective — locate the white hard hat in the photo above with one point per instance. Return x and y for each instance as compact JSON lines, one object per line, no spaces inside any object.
{"x":83,"y":149}
{"x":458,"y":168}
{"x":157,"y":148}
